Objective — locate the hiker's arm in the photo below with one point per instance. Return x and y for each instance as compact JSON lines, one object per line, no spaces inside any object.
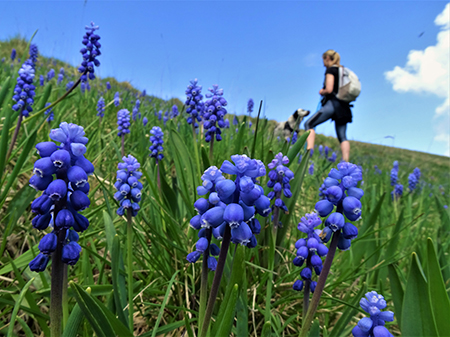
{"x":329,"y":84}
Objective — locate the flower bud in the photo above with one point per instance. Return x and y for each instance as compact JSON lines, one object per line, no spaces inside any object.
{"x":79,"y":200}
{"x":233,"y":214}
{"x":57,"y":189}
{"x":39,"y":263}
{"x":47,"y":245}
{"x":64,"y":219}
{"x":45,"y":149}
{"x":71,"y":253}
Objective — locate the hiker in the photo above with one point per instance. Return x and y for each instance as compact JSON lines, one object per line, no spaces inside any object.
{"x":332,"y":107}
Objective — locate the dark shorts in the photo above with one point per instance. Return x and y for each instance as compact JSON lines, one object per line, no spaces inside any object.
{"x":325,"y":113}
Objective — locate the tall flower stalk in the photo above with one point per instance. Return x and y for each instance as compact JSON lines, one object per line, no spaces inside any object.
{"x":156,"y":149}
{"x":229,"y":214}
{"x":341,"y":192}
{"x":129,"y":195}
{"x":58,"y":208}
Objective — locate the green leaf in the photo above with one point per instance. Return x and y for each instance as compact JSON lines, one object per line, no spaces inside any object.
{"x":163,"y":305}
{"x":4,"y":92}
{"x":417,"y":319}
{"x":4,"y":141}
{"x":295,"y":149}
{"x":396,"y":291}
{"x":118,"y":281}
{"x":267,"y":330}
{"x":227,"y":319}
{"x":315,"y":329}
{"x":17,"y":306}
{"x":440,"y":304}
{"x":73,"y":323}
{"x":101,"y":319}
{"x":21,"y":261}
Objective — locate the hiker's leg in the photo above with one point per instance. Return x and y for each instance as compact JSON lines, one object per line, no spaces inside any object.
{"x":345,"y":144}
{"x":324,"y":114}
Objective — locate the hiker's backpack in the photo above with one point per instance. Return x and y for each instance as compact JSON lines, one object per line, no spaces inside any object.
{"x":349,"y":85}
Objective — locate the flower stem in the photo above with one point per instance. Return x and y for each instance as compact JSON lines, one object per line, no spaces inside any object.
{"x":320,"y":286}
{"x":56,"y":291}
{"x":211,"y":148}
{"x":204,"y":280}
{"x":130,"y":267}
{"x":123,"y":145}
{"x":216,"y":281}
{"x":16,"y":133}
{"x":306,"y":297}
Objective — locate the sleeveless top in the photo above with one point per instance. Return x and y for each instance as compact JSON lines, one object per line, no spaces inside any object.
{"x":342,"y":112}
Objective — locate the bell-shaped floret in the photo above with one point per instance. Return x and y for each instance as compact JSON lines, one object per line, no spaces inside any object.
{"x":298,"y":285}
{"x":47,"y":245}
{"x":306,"y":273}
{"x":44,"y":167}
{"x":334,"y":194}
{"x":201,"y":205}
{"x":262,"y":205}
{"x":246,"y":184}
{"x":60,"y":159}
{"x":77,"y":176}
{"x":255,"y":226}
{"x":57,"y":189}
{"x":39,"y":263}
{"x":251,"y":197}
{"x":355,"y":192}
{"x":45,"y":149}
{"x":241,"y":234}
{"x":79,"y":200}
{"x":335,"y":221}
{"x":193,"y":257}
{"x":352,"y":208}
{"x":71,"y":253}
{"x":303,"y":252}
{"x":85,"y":164}
{"x":225,"y":188}
{"x":322,"y":250}
{"x":212,"y":263}
{"x":233,"y":215}
{"x":324,"y":207}
{"x":42,"y":204}
{"x":299,"y":243}
{"x":213,"y":217}
{"x":64,"y":219}
{"x":40,"y":184}
{"x":249,"y":211}
{"x":41,"y":222}
{"x":214,"y":249}
{"x":81,"y":223}
{"x":349,"y":231}
{"x":343,"y":243}
{"x":195,"y":222}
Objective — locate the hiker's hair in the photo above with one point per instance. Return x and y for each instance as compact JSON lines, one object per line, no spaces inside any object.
{"x":334,"y":56}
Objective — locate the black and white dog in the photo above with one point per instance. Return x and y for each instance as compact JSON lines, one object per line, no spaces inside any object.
{"x":286,"y":129}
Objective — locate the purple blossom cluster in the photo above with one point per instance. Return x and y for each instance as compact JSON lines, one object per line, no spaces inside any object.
{"x":62,"y":197}
{"x":213,"y":113}
{"x":250,"y":105}
{"x":309,"y":250}
{"x":90,"y":53}
{"x":229,"y":203}
{"x":157,"y":141}
{"x":194,"y":104}
{"x":116,"y":99}
{"x":341,"y":191}
{"x":49,"y":113}
{"x":24,"y":89}
{"x":101,"y":107}
{"x":279,"y":178}
{"x":123,"y":122}
{"x":373,"y":326}
{"x":128,"y":186}
{"x":136,"y":114}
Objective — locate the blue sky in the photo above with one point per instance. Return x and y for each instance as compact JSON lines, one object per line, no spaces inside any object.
{"x":271,"y":51}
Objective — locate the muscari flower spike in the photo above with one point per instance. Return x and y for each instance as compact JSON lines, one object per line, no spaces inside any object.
{"x":116,"y":99}
{"x":309,"y":250}
{"x":194,"y":104}
{"x":136,"y":114}
{"x":412,"y":182}
{"x":175,"y":112}
{"x":90,"y":53}
{"x":108,"y":86}
{"x":230,"y":203}
{"x":101,"y":107}
{"x":157,"y":141}
{"x":250,"y":105}
{"x":279,"y":178}
{"x":128,"y":186}
{"x":49,"y":113}
{"x":123,"y":122}
{"x":69,"y":85}
{"x":62,"y":174}
{"x":213,"y":113}
{"x":50,"y":74}
{"x":397,"y":192}
{"x":13,"y":54}
{"x":341,"y":191}
{"x":24,"y":90}
{"x":373,"y":326}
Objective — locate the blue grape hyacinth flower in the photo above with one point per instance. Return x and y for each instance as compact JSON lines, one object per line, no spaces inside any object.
{"x":250,"y":105}
{"x":62,"y":174}
{"x":49,"y":113}
{"x":412,"y":182}
{"x":128,"y":186}
{"x":175,"y":112}
{"x":157,"y":141}
{"x":116,"y":99}
{"x":193,"y":103}
{"x":123,"y":122}
{"x":397,"y":192}
{"x":309,"y":250}
{"x":230,"y":205}
{"x":108,"y":86}
{"x":24,"y":90}
{"x":279,"y":178}
{"x":90,"y":53}
{"x":13,"y":54}
{"x":101,"y":107}
{"x":136,"y":114}
{"x":373,"y":326}
{"x":213,"y":113}
{"x":342,"y":192}
{"x":50,"y":74}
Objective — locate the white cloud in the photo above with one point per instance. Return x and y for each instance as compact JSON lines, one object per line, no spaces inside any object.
{"x":428,"y":71}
